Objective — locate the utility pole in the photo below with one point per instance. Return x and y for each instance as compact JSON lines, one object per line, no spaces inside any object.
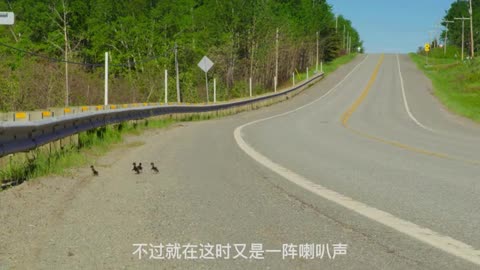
{"x":472,"y":50}
{"x":350,"y":45}
{"x":437,"y":33}
{"x":351,"y":50}
{"x":346,"y":48}
{"x":336,"y":24}
{"x":463,"y":19}
{"x":317,"y":54}
{"x":276,"y":62}
{"x":446,"y":36}
{"x":176,"y":71}
{"x":431,"y":36}
{"x":349,"y":40}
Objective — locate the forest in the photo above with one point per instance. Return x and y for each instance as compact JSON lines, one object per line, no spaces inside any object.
{"x":54,"y":54}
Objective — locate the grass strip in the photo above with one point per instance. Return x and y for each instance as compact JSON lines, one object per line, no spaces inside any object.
{"x":456,"y":84}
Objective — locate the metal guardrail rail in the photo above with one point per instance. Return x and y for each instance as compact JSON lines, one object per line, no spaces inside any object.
{"x":27,"y":135}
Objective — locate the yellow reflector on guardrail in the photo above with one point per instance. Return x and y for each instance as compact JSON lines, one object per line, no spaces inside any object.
{"x":20,"y":115}
{"x":113,"y":107}
{"x":99,"y":107}
{"x":46,"y":114}
{"x":145,"y":104}
{"x":67,"y":110}
{"x":84,"y":108}
{"x":125,"y":105}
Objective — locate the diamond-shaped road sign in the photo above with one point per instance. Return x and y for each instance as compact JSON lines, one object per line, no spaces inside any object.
{"x":7,"y":18}
{"x":205,"y":64}
{"x":427,"y":47}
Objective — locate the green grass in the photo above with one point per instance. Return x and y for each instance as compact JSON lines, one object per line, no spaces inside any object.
{"x":332,"y":66}
{"x":456,"y":84}
{"x":91,"y":144}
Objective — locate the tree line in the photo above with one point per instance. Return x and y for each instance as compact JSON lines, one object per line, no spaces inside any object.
{"x":460,"y":9}
{"x":57,"y":47}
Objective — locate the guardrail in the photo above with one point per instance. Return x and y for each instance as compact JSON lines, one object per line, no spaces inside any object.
{"x":28,"y":134}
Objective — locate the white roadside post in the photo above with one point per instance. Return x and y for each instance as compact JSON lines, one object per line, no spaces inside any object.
{"x":307,"y":73}
{"x":205,"y":64}
{"x":106,"y":79}
{"x":316,"y":66}
{"x":177,"y":79}
{"x":250,"y":86}
{"x":214,"y":90}
{"x":166,"y":87}
{"x":472,"y":47}
{"x":321,"y":67}
{"x":275,"y":83}
{"x":276,"y":63}
{"x":293,"y":78}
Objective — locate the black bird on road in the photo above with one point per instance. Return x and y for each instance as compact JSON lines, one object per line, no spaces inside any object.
{"x":135,"y":168}
{"x":154,"y":169}
{"x":139,"y":167}
{"x":95,"y":172}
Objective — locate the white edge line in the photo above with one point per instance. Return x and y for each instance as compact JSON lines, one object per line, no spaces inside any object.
{"x":444,"y":243}
{"x":407,"y":108}
{"x":310,"y":103}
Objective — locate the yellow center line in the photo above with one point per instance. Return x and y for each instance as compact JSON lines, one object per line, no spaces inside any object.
{"x":348,"y":113}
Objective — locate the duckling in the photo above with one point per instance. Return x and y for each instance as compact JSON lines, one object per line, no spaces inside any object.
{"x":154,"y":169}
{"x":95,"y":172}
{"x":139,"y":167}
{"x":135,"y":168}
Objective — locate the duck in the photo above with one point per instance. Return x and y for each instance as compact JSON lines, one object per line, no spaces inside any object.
{"x":135,"y":168}
{"x":139,"y":167}
{"x":95,"y":172}
{"x":154,"y":169}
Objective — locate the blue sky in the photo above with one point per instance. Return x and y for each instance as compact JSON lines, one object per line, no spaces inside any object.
{"x":393,"y":25}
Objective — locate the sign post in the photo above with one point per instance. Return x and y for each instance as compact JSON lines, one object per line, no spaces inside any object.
{"x":427,"y":49}
{"x":205,"y":64}
{"x":7,"y":18}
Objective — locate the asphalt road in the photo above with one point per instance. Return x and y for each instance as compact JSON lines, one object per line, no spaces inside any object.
{"x":356,"y":159}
